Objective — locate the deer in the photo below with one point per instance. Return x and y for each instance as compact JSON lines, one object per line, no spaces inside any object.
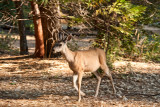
{"x":84,"y":61}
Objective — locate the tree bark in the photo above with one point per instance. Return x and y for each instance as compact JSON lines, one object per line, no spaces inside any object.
{"x":21,"y":27}
{"x":50,"y":24}
{"x":39,"y":46}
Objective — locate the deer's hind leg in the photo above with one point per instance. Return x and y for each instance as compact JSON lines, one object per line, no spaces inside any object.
{"x":105,"y":68}
{"x":99,"y":82}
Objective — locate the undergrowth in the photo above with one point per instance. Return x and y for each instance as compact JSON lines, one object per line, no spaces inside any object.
{"x":6,"y":42}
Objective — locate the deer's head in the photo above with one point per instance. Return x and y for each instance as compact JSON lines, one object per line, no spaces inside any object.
{"x":60,"y":45}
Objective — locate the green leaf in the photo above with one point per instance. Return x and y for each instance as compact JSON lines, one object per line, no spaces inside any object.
{"x":12,"y":83}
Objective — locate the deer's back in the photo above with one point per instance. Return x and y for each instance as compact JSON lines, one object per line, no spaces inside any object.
{"x":89,"y":60}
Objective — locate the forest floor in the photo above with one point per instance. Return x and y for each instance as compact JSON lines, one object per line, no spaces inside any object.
{"x":33,"y":82}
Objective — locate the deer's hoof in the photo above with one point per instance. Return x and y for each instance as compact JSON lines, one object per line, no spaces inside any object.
{"x":79,"y":100}
{"x":95,"y":96}
{"x":114,"y":92}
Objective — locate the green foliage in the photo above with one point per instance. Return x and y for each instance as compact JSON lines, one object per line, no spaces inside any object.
{"x":6,"y":42}
{"x":119,"y":24}
{"x":8,"y":14}
{"x":42,"y":2}
{"x":74,"y":20}
{"x":120,"y":27}
{"x":28,"y":23}
{"x":151,"y":47}
{"x":119,"y":20}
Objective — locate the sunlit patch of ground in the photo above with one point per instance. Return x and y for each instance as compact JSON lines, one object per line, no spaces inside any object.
{"x":137,"y":66}
{"x":30,"y":43}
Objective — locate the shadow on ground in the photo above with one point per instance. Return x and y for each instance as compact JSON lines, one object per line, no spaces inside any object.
{"x":25,"y":78}
{"x":137,"y":87}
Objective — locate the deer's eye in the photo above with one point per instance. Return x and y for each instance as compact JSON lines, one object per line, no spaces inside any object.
{"x":60,"y":45}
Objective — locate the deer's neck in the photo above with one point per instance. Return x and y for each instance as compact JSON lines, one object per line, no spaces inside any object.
{"x":68,"y":54}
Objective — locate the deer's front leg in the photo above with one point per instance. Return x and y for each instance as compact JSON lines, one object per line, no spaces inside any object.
{"x":80,"y":74}
{"x":75,"y":77}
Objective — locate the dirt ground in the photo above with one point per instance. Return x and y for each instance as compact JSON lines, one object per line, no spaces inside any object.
{"x":28,"y":82}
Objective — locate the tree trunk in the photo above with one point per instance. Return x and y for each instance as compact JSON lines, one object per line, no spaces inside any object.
{"x":21,"y":26}
{"x":39,"y":46}
{"x":51,"y":25}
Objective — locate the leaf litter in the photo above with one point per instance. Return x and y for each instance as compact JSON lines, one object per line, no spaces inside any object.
{"x":28,"y":82}
{"x":48,"y":83}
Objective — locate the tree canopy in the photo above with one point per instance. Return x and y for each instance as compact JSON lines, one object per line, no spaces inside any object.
{"x":119,"y":23}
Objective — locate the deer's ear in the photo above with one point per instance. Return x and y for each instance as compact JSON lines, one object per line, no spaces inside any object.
{"x":68,"y":38}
